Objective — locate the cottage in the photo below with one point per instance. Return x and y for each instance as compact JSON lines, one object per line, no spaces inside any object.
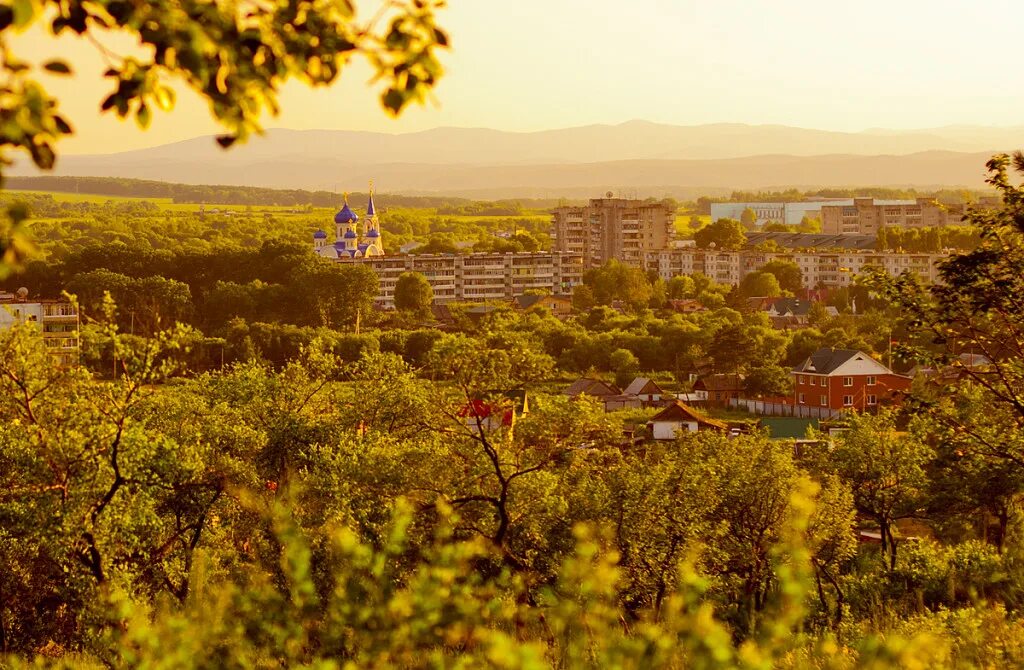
{"x":592,"y":387}
{"x":718,"y":390}
{"x":495,"y":410}
{"x":645,"y":389}
{"x":558,"y":305}
{"x":677,"y":418}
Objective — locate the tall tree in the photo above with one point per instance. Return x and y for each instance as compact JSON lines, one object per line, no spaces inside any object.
{"x":723,"y":234}
{"x":413,"y":294}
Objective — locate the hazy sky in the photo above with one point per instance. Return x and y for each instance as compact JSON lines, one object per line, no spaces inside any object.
{"x":536,"y":64}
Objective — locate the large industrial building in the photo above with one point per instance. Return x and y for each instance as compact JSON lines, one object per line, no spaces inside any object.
{"x":789,"y":213}
{"x":612,"y":228}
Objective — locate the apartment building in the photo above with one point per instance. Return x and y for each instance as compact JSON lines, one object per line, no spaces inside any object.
{"x":865,"y":216}
{"x":612,"y":228}
{"x":478,"y":277}
{"x":820,"y":269}
{"x":57,"y":321}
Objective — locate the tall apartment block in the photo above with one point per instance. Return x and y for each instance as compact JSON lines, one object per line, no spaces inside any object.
{"x":478,"y":277}
{"x":612,"y":228}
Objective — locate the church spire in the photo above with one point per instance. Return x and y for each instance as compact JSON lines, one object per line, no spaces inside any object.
{"x":371,"y":211}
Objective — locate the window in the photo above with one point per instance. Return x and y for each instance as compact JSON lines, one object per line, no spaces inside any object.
{"x":872,"y":400}
{"x":802,"y":401}
{"x":823,"y":381}
{"x":871,"y":380}
{"x":847,"y":381}
{"x":847,"y":401}
{"x":823,"y":401}
{"x":801,"y":379}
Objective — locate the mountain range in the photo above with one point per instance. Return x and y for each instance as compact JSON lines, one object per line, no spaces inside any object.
{"x":638,"y":157}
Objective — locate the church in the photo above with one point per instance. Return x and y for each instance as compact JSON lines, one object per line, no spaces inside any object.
{"x":348,"y":243}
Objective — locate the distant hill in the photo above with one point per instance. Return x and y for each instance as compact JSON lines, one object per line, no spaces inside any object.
{"x":647,"y":158}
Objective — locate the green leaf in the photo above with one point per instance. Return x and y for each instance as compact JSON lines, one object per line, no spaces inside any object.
{"x":143,"y":116}
{"x":24,"y":12}
{"x":57,"y":67}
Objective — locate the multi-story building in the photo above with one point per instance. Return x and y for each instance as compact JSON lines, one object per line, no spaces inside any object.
{"x":478,"y":277}
{"x":819,"y":269}
{"x":865,"y":216}
{"x":612,"y":228}
{"x":57,"y":321}
{"x":453,"y":277}
{"x":845,"y":379}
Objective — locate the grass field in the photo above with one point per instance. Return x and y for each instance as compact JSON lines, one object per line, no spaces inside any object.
{"x":167,"y":204}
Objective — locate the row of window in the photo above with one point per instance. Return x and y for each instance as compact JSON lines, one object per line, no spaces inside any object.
{"x":847,"y":400}
{"x":823,"y":381}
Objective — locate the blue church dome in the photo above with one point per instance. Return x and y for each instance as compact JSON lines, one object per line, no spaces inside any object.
{"x":319,"y":235}
{"x":370,"y":209}
{"x":345,"y":215}
{"x":372,"y":233}
{"x":350,"y":234}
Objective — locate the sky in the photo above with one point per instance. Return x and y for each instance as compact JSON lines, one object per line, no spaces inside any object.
{"x":525,"y":65}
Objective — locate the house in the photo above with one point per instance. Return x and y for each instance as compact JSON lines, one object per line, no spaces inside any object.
{"x":559,"y":305}
{"x":679,"y":418}
{"x":840,"y":379}
{"x":686,"y":306}
{"x":719,"y":389}
{"x":621,"y":401}
{"x":609,"y":395}
{"x":592,"y":387}
{"x":645,"y":389}
{"x":788,"y":313}
{"x":495,"y":410}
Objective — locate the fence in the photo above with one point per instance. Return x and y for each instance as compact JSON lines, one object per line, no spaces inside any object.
{"x":782,"y":409}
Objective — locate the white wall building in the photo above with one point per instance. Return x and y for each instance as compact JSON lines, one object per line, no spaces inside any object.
{"x":57,"y":321}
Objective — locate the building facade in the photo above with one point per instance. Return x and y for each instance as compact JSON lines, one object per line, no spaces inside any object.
{"x":839,"y":379}
{"x":478,"y":277}
{"x":349,"y":241}
{"x":612,"y":228}
{"x":57,"y":321}
{"x":789,"y":213}
{"x":819,"y":269}
{"x":865,"y":216}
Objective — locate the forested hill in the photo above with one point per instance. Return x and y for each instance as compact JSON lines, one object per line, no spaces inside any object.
{"x":211,"y":194}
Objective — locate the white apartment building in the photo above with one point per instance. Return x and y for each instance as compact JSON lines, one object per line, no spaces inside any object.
{"x":819,"y":268}
{"x":57,"y":321}
{"x":478,"y":277}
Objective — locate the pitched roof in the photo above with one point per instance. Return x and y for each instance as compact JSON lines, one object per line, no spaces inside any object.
{"x":827,"y":361}
{"x":594,"y":387}
{"x":720,"y":382}
{"x":677,"y":411}
{"x":642,"y":385}
{"x":527,"y":301}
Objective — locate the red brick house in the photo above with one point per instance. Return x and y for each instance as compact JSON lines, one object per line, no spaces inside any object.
{"x":840,"y":379}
